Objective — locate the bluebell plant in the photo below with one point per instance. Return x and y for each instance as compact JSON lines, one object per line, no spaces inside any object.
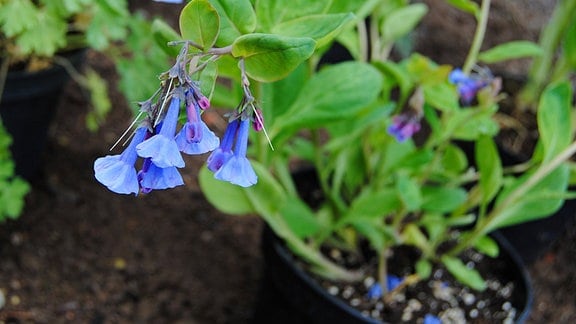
{"x":382,"y":135}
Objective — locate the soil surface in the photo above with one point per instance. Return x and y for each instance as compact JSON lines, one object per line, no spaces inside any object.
{"x":81,"y":254}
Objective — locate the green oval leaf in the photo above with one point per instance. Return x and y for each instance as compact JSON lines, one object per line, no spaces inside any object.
{"x":334,"y":94}
{"x":462,"y":273}
{"x":402,"y":21}
{"x":237,"y":17}
{"x":271,"y":57}
{"x":272,"y":12}
{"x":555,"y":118}
{"x":468,"y":6}
{"x":265,"y":197}
{"x":489,"y":167}
{"x":163,"y":33}
{"x":322,"y":28}
{"x":200,"y":23}
{"x":486,"y":245}
{"x":510,"y":50}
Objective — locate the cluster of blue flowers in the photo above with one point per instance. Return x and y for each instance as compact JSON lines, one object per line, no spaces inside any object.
{"x":160,"y":146}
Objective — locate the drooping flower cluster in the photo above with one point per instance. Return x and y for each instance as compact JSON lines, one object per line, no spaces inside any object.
{"x":158,"y":143}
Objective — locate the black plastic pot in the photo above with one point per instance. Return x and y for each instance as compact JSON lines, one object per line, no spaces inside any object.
{"x":289,"y":295}
{"x":27,"y":109}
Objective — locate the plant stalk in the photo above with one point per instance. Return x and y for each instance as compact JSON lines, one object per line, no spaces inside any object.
{"x":479,"y":34}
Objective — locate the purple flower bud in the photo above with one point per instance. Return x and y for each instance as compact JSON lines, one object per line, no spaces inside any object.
{"x":203,"y":102}
{"x":404,"y":126}
{"x":258,"y":122}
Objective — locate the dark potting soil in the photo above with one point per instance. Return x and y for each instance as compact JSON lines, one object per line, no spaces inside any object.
{"x":441,"y":295}
{"x":80,"y":254}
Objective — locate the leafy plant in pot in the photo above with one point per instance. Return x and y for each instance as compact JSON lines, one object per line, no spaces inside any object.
{"x":555,"y":62}
{"x":380,"y":135}
{"x":43,"y":44}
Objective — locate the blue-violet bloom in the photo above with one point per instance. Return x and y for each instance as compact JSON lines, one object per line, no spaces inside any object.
{"x":223,"y":153}
{"x":117,"y":172}
{"x":237,"y":169}
{"x":195,"y":137}
{"x":162,"y":148}
{"x":431,"y":319}
{"x":375,"y":290}
{"x":468,"y":86}
{"x":152,"y":177}
{"x":404,"y":126}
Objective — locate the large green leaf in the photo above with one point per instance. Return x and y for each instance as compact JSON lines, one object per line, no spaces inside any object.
{"x":271,"y":57}
{"x":462,"y":273}
{"x":554,"y":119}
{"x":163,"y":33}
{"x":228,"y":198}
{"x":334,"y":94}
{"x":541,"y":201}
{"x":402,"y":21}
{"x":441,"y":96}
{"x":510,"y":50}
{"x":265,"y":198}
{"x":300,"y":218}
{"x":272,"y":12}
{"x":322,"y":28}
{"x":468,"y":6}
{"x":200,"y":23}
{"x":489,"y":167}
{"x":237,"y":17}
{"x":278,"y":96}
{"x":442,"y":199}
{"x":374,"y":204}
{"x":409,"y":191}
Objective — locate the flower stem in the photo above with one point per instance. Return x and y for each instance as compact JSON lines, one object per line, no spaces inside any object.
{"x":482,"y":19}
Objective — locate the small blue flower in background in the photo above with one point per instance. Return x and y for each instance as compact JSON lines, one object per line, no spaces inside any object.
{"x":117,"y":172}
{"x":375,"y":291}
{"x":431,"y":319}
{"x":195,"y":137}
{"x":162,"y":148}
{"x":234,"y":167}
{"x":468,"y":86}
{"x":404,"y":126}
{"x":151,"y":177}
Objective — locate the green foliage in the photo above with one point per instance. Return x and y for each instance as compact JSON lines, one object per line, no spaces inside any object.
{"x":510,"y":50}
{"x":199,"y":23}
{"x":12,"y":188}
{"x":350,"y":120}
{"x":269,"y":57}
